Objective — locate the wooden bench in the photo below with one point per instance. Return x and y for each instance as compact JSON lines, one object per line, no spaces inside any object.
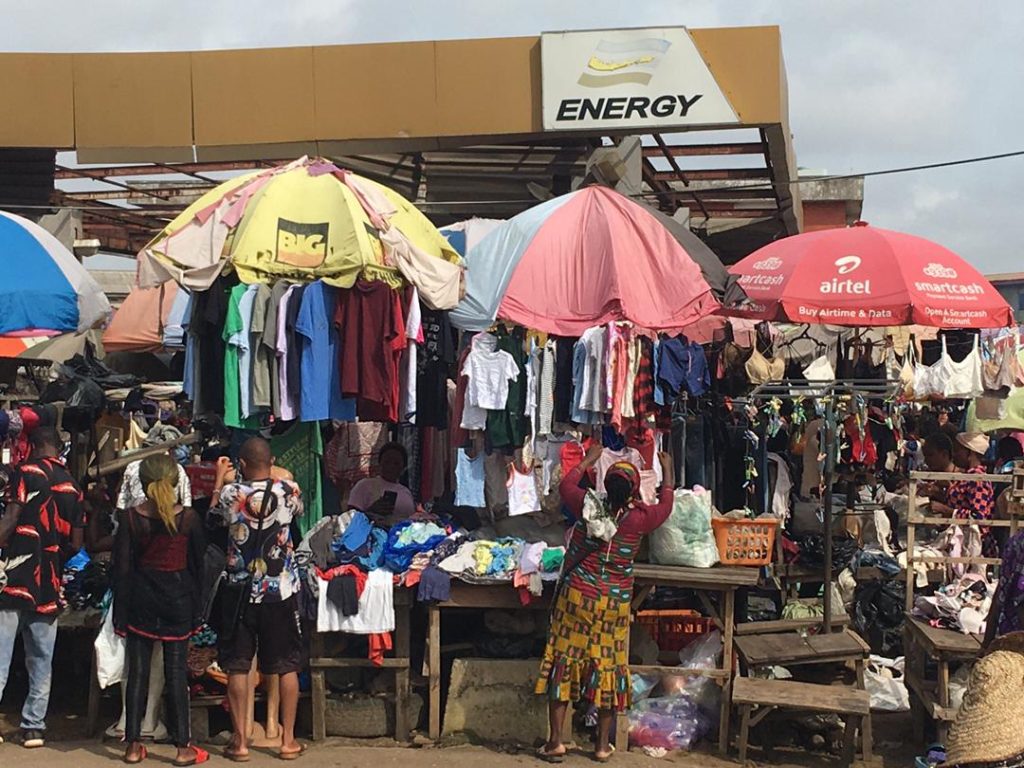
{"x":854,"y":706}
{"x":840,"y":622}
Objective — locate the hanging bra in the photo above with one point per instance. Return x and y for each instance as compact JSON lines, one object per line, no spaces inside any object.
{"x":761,"y":370}
{"x":906,"y":373}
{"x":959,"y":380}
{"x":999,"y":369}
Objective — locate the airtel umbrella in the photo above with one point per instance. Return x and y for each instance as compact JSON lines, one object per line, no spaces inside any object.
{"x":866,"y":276}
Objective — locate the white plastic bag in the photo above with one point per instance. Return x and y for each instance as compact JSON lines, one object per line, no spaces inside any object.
{"x":686,"y":537}
{"x":110,"y":652}
{"x":883,"y":680}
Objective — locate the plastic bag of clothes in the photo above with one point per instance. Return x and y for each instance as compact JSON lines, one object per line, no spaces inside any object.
{"x":408,"y":539}
{"x":883,"y":680}
{"x":671,"y":722}
{"x":685,"y":538}
{"x":812,"y":552}
{"x":878,"y":616}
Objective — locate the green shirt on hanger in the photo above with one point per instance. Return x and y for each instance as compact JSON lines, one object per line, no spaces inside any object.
{"x":300,"y":450}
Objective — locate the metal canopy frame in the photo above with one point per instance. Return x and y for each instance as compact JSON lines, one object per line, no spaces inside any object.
{"x":830,"y":390}
{"x":124,"y":206}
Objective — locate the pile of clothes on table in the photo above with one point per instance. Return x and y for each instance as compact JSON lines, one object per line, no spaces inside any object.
{"x":350,"y":567}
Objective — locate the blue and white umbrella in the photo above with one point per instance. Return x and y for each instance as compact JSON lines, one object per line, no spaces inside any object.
{"x":45,"y":288}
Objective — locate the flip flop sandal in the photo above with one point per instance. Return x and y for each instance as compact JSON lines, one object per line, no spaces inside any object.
{"x":235,"y":757}
{"x":606,"y":758}
{"x":293,"y":755}
{"x":143,"y":754}
{"x":201,"y":756}
{"x":550,"y":757}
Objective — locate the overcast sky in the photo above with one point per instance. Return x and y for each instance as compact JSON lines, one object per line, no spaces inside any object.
{"x":873,"y":84}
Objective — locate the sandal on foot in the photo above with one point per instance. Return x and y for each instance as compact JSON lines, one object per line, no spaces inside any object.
{"x":143,"y":754}
{"x":200,"y":756}
{"x":292,"y":755}
{"x":605,"y":758}
{"x":550,"y":757}
{"x":237,"y":757}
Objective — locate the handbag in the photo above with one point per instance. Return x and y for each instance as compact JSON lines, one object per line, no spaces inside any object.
{"x":229,"y":599}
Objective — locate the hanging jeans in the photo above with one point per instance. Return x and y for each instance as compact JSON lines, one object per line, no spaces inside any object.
{"x":139,"y":653}
{"x":39,"y":634}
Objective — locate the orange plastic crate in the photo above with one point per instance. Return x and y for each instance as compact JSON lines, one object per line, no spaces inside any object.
{"x":675,"y":629}
{"x":745,"y":542}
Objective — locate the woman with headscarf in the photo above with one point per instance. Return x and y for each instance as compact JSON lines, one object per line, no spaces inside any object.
{"x":971,"y":499}
{"x":587,"y":654}
{"x":158,"y":558}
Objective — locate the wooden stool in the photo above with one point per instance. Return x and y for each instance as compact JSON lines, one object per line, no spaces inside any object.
{"x":854,"y":706}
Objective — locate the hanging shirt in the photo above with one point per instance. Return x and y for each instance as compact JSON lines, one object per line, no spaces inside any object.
{"x":469,"y":480}
{"x":488,"y":371}
{"x":565,"y":350}
{"x":287,"y":400}
{"x":593,"y":386}
{"x":275,"y":308}
{"x":580,"y":412}
{"x":243,"y":341}
{"x":208,"y":345}
{"x":259,"y":392}
{"x":188,"y":374}
{"x":234,"y":336}
{"x":371,"y":330}
{"x":433,"y":369}
{"x":683,"y":367}
{"x":293,"y":358}
{"x":507,"y":428}
{"x":546,"y":390}
{"x":410,"y":365}
{"x":522,"y":492}
{"x":321,"y":396}
{"x":299,"y":450}
{"x":609,"y":457}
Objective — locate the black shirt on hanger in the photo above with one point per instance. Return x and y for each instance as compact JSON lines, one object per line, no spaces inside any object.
{"x":433,"y":366}
{"x":206,"y":327}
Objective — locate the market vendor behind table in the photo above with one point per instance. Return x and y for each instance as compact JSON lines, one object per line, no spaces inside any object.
{"x":968,"y":499}
{"x":384,"y":497}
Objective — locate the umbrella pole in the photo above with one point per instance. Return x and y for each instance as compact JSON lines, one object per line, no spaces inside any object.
{"x":830,"y":464}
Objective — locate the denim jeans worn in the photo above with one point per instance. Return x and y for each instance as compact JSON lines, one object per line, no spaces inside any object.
{"x":39,"y":634}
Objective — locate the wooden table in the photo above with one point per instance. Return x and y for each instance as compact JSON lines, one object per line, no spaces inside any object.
{"x":930,"y":698}
{"x":722,"y":580}
{"x":794,"y":650}
{"x":320,"y":661}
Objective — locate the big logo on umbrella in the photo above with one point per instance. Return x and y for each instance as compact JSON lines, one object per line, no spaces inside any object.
{"x":844,"y":266}
{"x":301,"y":245}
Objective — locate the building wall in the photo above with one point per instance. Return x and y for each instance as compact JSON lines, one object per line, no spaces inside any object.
{"x":824,"y":214}
{"x":1013,"y":292}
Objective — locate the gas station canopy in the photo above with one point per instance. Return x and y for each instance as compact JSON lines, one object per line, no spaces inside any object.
{"x":463,"y":127}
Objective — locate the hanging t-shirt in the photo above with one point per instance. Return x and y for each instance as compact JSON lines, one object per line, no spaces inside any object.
{"x":189,"y":373}
{"x":609,"y":457}
{"x":522,"y":492}
{"x":579,"y":412}
{"x":242,"y":340}
{"x":259,"y":392}
{"x":234,"y":335}
{"x":469,"y":480}
{"x":321,"y":396}
{"x":508,"y":427}
{"x":293,"y":358}
{"x":434,"y":366}
{"x":299,"y":450}
{"x":371,"y":331}
{"x":286,"y":407}
{"x":593,"y":394}
{"x":488,"y":371}
{"x":208,"y":345}
{"x":564,"y":380}
{"x":275,"y":306}
{"x":546,"y":390}
{"x":683,"y":366}
{"x":410,"y":363}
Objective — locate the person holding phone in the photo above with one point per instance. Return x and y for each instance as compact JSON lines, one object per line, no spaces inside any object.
{"x":383,"y":497}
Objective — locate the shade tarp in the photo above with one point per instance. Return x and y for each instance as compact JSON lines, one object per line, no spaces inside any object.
{"x":45,"y":288}
{"x":138,"y":324}
{"x":583,"y":259}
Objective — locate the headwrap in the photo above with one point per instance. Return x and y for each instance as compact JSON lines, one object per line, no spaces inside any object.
{"x":626,"y":471}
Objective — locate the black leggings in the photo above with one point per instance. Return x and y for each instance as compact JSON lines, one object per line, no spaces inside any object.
{"x":140,"y":654}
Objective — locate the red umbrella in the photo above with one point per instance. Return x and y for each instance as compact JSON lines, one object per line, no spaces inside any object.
{"x":862,"y":276}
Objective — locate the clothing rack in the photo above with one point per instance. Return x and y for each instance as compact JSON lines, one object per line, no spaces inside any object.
{"x":914,"y":519}
{"x":828,"y":391}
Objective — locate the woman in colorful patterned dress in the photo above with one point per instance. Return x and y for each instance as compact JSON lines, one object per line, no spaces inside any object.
{"x":587,"y":655}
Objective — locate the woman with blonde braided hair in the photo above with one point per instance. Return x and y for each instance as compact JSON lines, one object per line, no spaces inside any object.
{"x":158,"y":557}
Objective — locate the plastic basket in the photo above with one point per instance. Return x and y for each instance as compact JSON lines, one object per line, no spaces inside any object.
{"x":673,"y":630}
{"x":745,"y":542}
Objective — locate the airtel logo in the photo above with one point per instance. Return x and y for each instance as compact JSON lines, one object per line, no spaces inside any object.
{"x":847,"y":264}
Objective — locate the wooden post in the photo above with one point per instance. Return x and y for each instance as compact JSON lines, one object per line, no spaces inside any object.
{"x":865,"y":725}
{"x":830,"y":465}
{"x":744,"y":732}
{"x":728,"y":625}
{"x":319,"y":705}
{"x":402,"y":645}
{"x":911,"y":531}
{"x":434,"y":656}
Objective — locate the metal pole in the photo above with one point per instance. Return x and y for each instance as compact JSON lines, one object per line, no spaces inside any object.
{"x":830,"y":463}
